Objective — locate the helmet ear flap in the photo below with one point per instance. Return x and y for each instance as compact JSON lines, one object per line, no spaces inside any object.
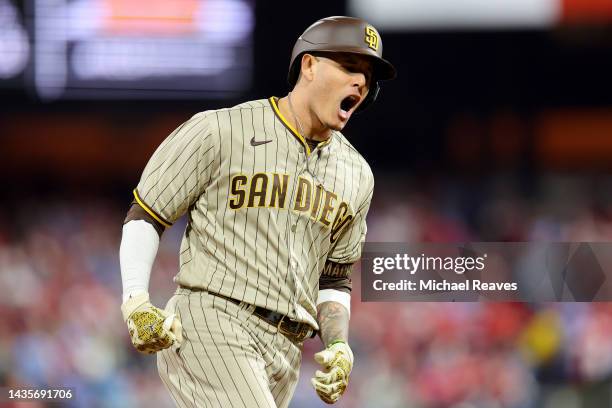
{"x":370,"y":98}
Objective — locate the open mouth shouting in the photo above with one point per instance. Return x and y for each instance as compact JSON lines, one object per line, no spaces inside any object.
{"x":348,"y":105}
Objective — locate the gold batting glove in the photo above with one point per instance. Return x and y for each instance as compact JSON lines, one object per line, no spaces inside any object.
{"x":337,"y":362}
{"x":151,"y":329}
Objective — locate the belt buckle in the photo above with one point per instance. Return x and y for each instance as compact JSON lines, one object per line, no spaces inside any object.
{"x":304,"y":332}
{"x":301,"y":334}
{"x":280,"y":329}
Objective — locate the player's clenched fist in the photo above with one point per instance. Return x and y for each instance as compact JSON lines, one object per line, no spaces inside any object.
{"x":337,"y":362}
{"x":151,"y":329}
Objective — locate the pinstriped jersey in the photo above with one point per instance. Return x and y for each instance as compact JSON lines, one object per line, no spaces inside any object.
{"x":264,"y":211}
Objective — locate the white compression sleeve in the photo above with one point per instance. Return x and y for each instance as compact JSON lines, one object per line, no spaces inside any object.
{"x":333,"y":295}
{"x":139,"y":244}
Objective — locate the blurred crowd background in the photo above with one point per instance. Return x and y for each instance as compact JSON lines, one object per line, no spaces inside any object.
{"x":498,"y":128}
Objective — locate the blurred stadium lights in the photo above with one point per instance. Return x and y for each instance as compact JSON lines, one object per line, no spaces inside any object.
{"x":140,"y":48}
{"x":480,"y":14}
{"x":453,"y":14}
{"x":14,"y":43}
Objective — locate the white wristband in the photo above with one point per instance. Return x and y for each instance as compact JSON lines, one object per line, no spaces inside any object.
{"x":333,"y":295}
{"x":139,"y":244}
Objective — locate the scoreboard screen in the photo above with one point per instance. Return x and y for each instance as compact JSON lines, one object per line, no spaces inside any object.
{"x":435,"y":15}
{"x":90,"y":49}
{"x":14,"y":45}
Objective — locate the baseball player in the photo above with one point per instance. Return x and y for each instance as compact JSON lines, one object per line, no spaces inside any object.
{"x":276,"y":200}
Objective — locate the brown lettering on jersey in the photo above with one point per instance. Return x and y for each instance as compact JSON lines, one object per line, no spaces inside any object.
{"x":328,"y":207}
{"x":316,"y":202}
{"x":336,"y":270}
{"x":279,"y":190}
{"x":321,"y":205}
{"x":237,"y":185}
{"x":258,"y":190}
{"x":302,"y":198}
{"x":343,"y":218}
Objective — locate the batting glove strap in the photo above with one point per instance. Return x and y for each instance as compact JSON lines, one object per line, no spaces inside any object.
{"x":133,"y":303}
{"x":337,"y":362}
{"x":151,"y":329}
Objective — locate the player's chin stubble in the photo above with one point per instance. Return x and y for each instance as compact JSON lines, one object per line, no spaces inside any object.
{"x":335,"y":123}
{"x":339,"y":125}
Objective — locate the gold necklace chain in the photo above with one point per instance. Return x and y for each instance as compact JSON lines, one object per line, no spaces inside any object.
{"x":301,"y":129}
{"x":297,"y":120}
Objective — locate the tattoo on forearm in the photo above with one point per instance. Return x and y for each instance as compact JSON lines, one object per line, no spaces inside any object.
{"x":333,"y":322}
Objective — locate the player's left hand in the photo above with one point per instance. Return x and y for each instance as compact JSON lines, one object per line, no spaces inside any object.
{"x":337,"y":362}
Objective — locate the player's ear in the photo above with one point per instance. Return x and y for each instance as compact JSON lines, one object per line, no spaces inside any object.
{"x":308,"y":66}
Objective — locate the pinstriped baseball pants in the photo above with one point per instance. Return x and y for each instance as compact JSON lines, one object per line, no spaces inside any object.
{"x":229,"y":357}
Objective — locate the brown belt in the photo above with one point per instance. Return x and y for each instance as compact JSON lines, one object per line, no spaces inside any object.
{"x":295,"y":331}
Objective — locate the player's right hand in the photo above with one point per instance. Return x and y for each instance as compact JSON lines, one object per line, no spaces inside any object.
{"x":337,"y":361}
{"x":151,"y":329}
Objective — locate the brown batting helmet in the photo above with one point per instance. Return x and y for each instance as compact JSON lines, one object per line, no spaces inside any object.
{"x":347,"y":35}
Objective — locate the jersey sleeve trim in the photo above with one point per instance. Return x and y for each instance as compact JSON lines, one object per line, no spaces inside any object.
{"x":152,"y":213}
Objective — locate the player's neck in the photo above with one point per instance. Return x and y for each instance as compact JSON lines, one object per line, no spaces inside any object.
{"x":298,"y":115}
